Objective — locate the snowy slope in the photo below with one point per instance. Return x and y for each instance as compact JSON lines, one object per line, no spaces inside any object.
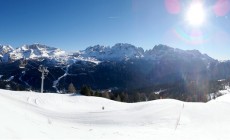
{"x":28,"y":115}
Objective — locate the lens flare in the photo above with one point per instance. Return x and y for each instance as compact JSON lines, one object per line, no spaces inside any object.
{"x":193,"y":36}
{"x":222,"y":7}
{"x":195,"y":15}
{"x":173,"y":6}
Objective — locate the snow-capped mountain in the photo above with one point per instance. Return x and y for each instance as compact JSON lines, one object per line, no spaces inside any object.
{"x":35,"y":51}
{"x":165,"y":52}
{"x":119,"y":52}
{"x":98,"y":53}
{"x":4,"y":51}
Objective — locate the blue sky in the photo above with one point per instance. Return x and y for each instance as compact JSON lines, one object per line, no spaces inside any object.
{"x":76,"y":24}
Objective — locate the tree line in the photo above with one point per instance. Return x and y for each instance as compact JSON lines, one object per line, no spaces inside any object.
{"x":192,"y":91}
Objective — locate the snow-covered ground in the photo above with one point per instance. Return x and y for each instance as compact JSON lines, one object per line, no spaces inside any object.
{"x":29,"y":115}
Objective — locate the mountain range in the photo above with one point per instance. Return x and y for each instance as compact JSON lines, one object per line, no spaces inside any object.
{"x":123,"y":66}
{"x":118,"y":52}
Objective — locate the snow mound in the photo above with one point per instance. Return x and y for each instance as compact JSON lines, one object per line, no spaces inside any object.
{"x":29,"y":115}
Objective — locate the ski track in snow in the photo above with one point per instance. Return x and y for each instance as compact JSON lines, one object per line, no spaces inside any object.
{"x":178,"y":120}
{"x":56,"y":82}
{"x":29,"y":115}
{"x":20,"y":78}
{"x":10,"y":78}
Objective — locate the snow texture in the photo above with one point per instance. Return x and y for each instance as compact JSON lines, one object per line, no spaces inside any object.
{"x":29,"y":115}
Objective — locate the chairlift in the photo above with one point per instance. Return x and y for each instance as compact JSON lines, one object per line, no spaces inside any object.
{"x":23,"y":63}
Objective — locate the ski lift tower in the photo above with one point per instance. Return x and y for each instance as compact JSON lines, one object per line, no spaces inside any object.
{"x":44,"y":72}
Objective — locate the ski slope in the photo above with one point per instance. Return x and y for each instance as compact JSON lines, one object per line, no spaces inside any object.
{"x":36,"y":116}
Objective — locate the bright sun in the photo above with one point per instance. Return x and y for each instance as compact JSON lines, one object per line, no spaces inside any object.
{"x":195,"y":15}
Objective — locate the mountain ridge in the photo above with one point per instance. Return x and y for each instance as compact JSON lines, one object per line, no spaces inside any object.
{"x":123,"y":67}
{"x":118,"y":52}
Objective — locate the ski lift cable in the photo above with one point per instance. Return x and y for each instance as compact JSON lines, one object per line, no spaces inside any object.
{"x":49,"y":71}
{"x":52,"y":75}
{"x":38,"y":69}
{"x":41,"y":68}
{"x":49,"y":79}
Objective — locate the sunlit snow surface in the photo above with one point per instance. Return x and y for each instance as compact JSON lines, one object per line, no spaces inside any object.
{"x":28,"y":115}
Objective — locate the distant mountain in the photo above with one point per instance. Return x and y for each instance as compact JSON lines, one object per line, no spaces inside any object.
{"x":35,"y":51}
{"x":118,"y":52}
{"x":160,"y":52}
{"x":121,"y":52}
{"x":122,"y":66}
{"x":7,"y":53}
{"x":4,"y":51}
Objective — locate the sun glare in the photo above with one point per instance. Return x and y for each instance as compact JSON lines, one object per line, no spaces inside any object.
{"x":195,"y":15}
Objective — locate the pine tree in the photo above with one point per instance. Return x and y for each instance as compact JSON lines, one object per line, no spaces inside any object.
{"x":118,"y":98}
{"x":98,"y":94}
{"x":142,"y":97}
{"x":135,"y":97}
{"x":152,"y":96}
{"x":106,"y":95}
{"x":124,"y":97}
{"x":71,"y":88}
{"x":85,"y":90}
